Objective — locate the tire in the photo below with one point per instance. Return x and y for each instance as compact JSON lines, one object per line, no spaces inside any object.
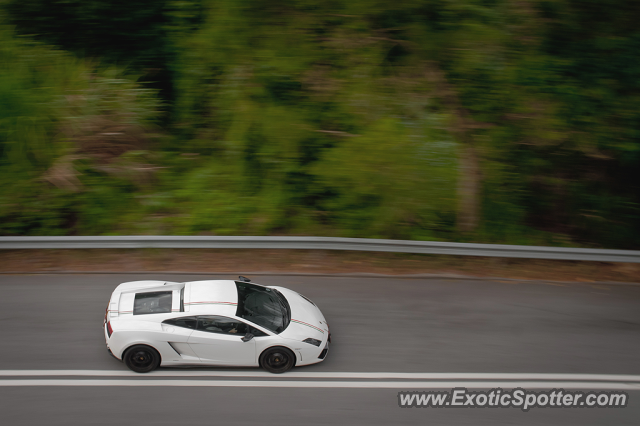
{"x":277,"y":360}
{"x":141,"y":358}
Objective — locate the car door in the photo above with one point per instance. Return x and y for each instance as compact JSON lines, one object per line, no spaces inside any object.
{"x":176,"y":333}
{"x":218,"y":340}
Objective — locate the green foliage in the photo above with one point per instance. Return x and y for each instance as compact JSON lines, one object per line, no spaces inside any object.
{"x":325,"y":134}
{"x":329,"y":118}
{"x":128,"y":34}
{"x":64,"y":134}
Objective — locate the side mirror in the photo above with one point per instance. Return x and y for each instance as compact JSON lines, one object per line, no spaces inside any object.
{"x":247,"y":337}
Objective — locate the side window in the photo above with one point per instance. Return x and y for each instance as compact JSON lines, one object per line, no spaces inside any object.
{"x":221,"y":325}
{"x":185,"y":322}
{"x":256,"y":332}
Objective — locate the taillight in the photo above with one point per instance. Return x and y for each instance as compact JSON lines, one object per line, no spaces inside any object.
{"x":109,"y":329}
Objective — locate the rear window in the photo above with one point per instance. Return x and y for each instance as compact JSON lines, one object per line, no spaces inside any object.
{"x":157,"y":302}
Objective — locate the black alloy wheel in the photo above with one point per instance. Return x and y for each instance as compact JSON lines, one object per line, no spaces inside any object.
{"x":277,"y":360}
{"x":141,"y":358}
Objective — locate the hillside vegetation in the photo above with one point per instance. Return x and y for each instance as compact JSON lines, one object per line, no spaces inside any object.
{"x":456,"y":120}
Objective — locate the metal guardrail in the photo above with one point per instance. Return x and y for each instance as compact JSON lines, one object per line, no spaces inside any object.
{"x":320,"y":243}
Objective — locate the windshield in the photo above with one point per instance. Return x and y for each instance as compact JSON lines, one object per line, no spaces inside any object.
{"x":266,"y":307}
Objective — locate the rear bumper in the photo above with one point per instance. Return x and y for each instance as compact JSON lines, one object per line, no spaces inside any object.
{"x":106,"y":341}
{"x":111,"y":353}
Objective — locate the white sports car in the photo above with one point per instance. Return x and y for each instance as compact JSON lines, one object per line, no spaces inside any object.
{"x":221,"y":322}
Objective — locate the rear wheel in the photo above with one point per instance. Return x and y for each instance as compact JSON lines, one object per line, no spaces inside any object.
{"x":277,"y":360}
{"x":141,"y":358}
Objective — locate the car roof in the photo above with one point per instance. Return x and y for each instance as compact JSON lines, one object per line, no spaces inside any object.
{"x":207,"y":297}
{"x":213,"y":297}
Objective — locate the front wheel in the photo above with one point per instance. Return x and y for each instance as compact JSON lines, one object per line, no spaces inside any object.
{"x":141,"y":358}
{"x":277,"y":360}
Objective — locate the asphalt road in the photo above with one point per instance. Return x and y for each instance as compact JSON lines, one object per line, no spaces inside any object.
{"x":53,"y":322}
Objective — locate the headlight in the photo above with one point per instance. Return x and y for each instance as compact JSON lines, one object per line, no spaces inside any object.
{"x":311,"y":341}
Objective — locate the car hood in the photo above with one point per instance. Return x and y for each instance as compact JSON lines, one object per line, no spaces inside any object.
{"x":306,"y":318}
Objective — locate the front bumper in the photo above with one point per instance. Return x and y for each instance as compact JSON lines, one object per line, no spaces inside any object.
{"x":325,"y":351}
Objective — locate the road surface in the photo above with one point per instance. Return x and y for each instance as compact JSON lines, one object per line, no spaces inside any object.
{"x":50,"y":323}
